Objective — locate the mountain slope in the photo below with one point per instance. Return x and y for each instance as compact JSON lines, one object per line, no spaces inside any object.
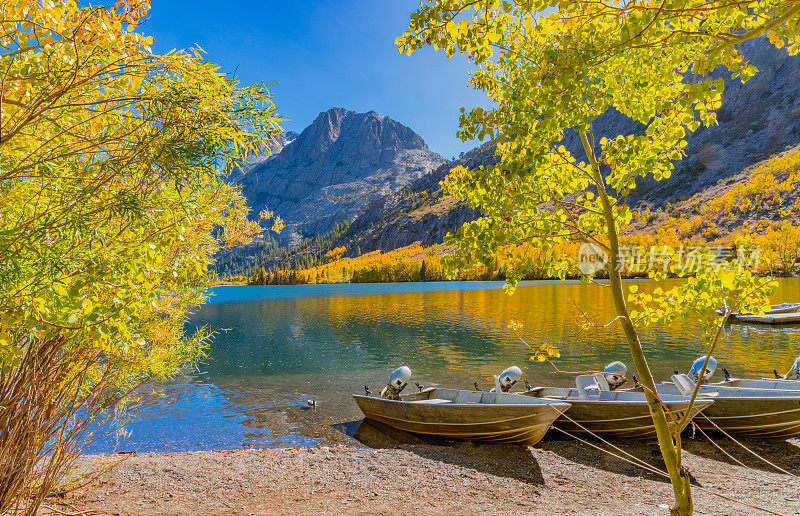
{"x":757,"y":119}
{"x":760,"y":196}
{"x":269,"y":151}
{"x":419,"y":212}
{"x":334,"y":168}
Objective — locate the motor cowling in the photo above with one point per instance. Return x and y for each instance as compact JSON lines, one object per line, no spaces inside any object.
{"x":794,"y":372}
{"x":694,"y":372}
{"x":397,"y":382}
{"x":615,"y":374}
{"x":507,"y":379}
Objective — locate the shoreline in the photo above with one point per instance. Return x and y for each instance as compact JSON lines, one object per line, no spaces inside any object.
{"x":500,"y":280}
{"x":555,"y":476}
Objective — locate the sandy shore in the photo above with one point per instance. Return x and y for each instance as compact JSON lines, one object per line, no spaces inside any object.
{"x":555,"y":477}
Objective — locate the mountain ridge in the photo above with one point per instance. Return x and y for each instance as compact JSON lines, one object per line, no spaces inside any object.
{"x":334,"y":168}
{"x":757,"y":119}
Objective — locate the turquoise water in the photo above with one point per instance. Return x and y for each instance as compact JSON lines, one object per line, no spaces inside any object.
{"x":280,"y":346}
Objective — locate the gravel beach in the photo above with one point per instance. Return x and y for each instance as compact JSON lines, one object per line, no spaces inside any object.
{"x":424,"y":477}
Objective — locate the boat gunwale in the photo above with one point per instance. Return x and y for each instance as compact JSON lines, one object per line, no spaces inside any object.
{"x":672,"y":398}
{"x":544,"y":403}
{"x":584,"y":401}
{"x":795,"y":393}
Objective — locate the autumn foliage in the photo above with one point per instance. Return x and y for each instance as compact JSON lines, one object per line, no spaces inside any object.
{"x":114,"y":164}
{"x":735,"y":218}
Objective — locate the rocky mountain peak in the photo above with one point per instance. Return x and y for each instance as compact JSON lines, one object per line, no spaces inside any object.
{"x":334,"y":168}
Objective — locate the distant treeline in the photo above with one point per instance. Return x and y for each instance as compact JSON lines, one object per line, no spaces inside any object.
{"x":776,"y":252}
{"x":268,"y":253}
{"x":411,"y":263}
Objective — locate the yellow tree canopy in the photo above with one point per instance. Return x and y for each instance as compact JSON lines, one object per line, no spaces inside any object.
{"x":113,"y":196}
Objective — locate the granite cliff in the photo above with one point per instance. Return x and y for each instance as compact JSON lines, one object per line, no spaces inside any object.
{"x":757,"y":119}
{"x":333,"y":169}
{"x":419,"y":212}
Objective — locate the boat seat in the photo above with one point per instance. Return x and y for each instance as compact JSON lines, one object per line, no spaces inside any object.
{"x":602,"y":382}
{"x":586,"y":383}
{"x":684,"y":384}
{"x":432,"y":401}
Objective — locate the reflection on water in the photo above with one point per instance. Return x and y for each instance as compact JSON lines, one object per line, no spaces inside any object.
{"x":280,"y":346}
{"x":194,"y":416}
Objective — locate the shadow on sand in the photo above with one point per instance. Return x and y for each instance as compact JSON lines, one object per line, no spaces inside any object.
{"x":784,"y":454}
{"x":608,"y":458}
{"x":518,"y":462}
{"x":502,"y":460}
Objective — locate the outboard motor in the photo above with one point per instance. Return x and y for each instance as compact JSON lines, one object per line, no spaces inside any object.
{"x":506,"y":380}
{"x":397,"y":382}
{"x":694,"y":372}
{"x":615,"y":374}
{"x":794,"y":372}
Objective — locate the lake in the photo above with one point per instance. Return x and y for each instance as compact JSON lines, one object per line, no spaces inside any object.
{"x":279,"y":346}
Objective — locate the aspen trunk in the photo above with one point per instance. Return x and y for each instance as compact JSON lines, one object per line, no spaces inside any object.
{"x":678,"y":475}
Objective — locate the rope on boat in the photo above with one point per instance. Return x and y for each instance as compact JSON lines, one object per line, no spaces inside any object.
{"x":653,"y":469}
{"x":634,"y":457}
{"x":726,"y":434}
{"x":636,"y":460}
{"x":649,"y":467}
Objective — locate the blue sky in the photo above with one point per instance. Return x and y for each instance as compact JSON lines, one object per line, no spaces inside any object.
{"x":323,"y":54}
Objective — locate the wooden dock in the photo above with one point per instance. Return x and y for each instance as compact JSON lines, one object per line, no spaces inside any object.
{"x":788,"y":318}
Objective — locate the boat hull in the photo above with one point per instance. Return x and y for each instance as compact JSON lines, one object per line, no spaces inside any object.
{"x":501,"y":423}
{"x":771,"y":318}
{"x":748,"y":412}
{"x":774,"y":418}
{"x":621,"y":418}
{"x":783,"y":308}
{"x":621,"y":421}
